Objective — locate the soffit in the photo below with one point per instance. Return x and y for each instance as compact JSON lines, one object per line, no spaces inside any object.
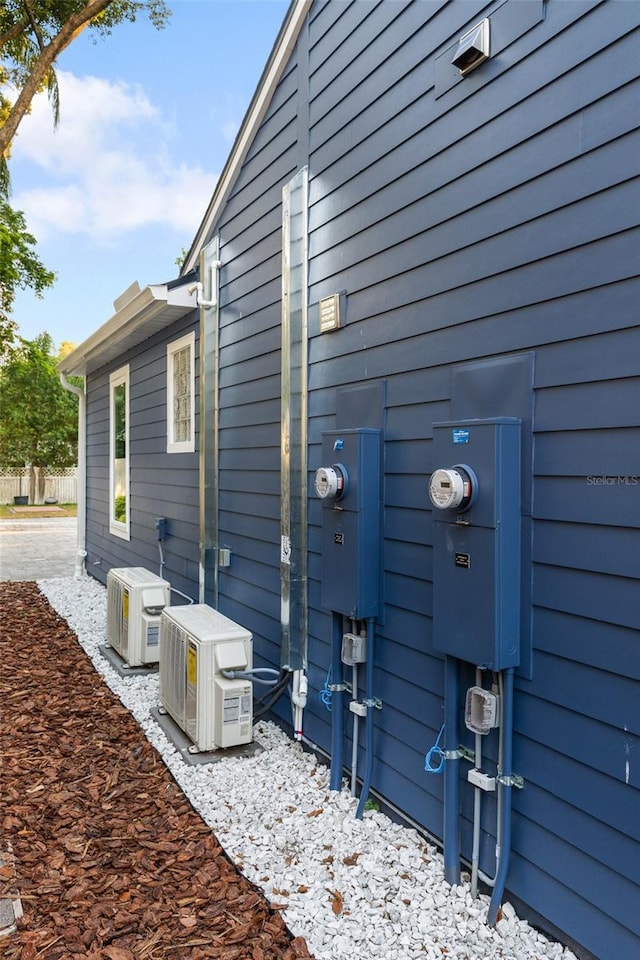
{"x":145,"y":313}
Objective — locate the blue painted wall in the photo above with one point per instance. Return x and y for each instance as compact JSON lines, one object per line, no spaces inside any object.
{"x":161,"y":484}
{"x":466,"y":220}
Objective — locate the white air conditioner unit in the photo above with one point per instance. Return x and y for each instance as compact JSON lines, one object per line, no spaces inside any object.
{"x":135,"y":599}
{"x":197,"y":643}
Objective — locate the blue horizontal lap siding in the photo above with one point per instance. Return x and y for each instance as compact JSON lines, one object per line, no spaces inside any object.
{"x":393,"y":154}
{"x":587,"y":454}
{"x":612,"y":928}
{"x":603,"y":645}
{"x":553,"y":500}
{"x":493,"y":219}
{"x":601,"y":549}
{"x":614,"y":358}
{"x":612,"y":599}
{"x":611,"y":403}
{"x":240,"y":350}
{"x":599,"y":745}
{"x":533,"y":205}
{"x":611,"y":847}
{"x":161,"y":484}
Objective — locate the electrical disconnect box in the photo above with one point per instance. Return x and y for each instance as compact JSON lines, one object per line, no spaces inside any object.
{"x":475,"y":495}
{"x":349,"y":486}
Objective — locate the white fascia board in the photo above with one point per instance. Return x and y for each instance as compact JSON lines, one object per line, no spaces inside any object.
{"x":140,"y":317}
{"x":283,"y":47}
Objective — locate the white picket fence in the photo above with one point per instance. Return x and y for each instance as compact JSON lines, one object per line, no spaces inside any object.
{"x":60,"y":485}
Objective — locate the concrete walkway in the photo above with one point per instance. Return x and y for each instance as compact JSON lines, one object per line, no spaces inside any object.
{"x":37,"y":548}
{"x":33,"y":549}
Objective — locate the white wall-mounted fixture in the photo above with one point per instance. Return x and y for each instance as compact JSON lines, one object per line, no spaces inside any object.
{"x":199,"y":288}
{"x":330,"y":313}
{"x":481,"y":710}
{"x":473,"y":48}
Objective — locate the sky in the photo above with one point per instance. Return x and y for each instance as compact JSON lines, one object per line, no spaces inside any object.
{"x":116,"y":192}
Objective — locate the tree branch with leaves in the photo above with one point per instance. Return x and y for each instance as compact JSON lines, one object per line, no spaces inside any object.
{"x":20,"y":267}
{"x":33,"y":34}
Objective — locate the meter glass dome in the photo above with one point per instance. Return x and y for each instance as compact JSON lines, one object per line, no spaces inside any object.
{"x":450,"y":488}
{"x":329,"y":482}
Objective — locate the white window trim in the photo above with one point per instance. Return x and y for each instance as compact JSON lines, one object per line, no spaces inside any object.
{"x":116,"y":527}
{"x":182,"y":446}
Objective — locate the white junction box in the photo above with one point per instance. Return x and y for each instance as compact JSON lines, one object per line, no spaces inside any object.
{"x":481,"y":780}
{"x":481,"y":711}
{"x":198,"y":643}
{"x":135,"y":600}
{"x":354,"y":649}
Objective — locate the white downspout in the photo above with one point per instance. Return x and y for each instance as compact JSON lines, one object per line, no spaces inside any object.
{"x":81,"y":552}
{"x":299,"y":701}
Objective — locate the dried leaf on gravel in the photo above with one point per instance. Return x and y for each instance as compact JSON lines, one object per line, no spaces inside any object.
{"x":337,"y":902}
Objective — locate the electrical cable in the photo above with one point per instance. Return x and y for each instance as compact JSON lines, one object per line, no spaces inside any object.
{"x":282,"y":681}
{"x":253,"y":674}
{"x":435,"y":751}
{"x":326,"y":694}
{"x":269,"y":699}
{"x":247,"y":675}
{"x":172,"y":589}
{"x":181,"y":594}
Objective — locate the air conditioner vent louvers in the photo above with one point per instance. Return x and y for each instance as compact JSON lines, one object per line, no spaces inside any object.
{"x":173,"y":674}
{"x":135,"y":598}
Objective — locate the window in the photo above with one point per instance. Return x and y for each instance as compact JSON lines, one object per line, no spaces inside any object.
{"x":119,"y":508}
{"x":181,"y":395}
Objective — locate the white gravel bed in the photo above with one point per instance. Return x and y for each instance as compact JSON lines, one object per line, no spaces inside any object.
{"x":353,"y":888}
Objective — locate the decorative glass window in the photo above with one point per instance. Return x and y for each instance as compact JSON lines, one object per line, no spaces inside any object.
{"x":181,"y":395}
{"x":119,"y":507}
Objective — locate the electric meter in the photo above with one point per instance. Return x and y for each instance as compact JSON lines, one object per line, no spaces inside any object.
{"x":452,"y":488}
{"x":330,"y":482}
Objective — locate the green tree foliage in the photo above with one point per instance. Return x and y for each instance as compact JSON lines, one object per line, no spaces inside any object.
{"x":39,"y":423}
{"x":20,"y":268}
{"x":33,"y":34}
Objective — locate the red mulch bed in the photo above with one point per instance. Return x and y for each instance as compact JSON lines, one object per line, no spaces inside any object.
{"x":111,"y":860}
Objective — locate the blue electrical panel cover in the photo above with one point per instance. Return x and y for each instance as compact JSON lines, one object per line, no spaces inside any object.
{"x":477,"y":550}
{"x":351,"y":525}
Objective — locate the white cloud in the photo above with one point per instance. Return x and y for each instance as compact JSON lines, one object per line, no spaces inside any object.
{"x":111,"y":166}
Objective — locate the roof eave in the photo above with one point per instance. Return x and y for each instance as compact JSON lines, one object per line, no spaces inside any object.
{"x":147,"y":312}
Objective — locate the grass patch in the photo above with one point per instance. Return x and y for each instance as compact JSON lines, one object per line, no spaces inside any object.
{"x":9,"y":512}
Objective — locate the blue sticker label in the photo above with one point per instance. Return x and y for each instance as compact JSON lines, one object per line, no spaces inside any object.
{"x":460,"y":435}
{"x":338,"y":445}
